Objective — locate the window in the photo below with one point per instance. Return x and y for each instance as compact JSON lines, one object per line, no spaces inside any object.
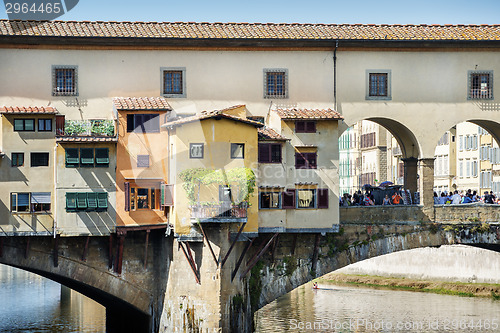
{"x":323,"y":197}
{"x":269,"y":153}
{"x":24,"y":125}
{"x":461,"y":142}
{"x":237,"y":150}
{"x":141,"y":197}
{"x":302,"y":126}
{"x":461,"y":168}
{"x":306,"y":198}
{"x":305,"y":160}
{"x":196,"y":150}
{"x":378,"y":84}
{"x":87,"y":157}
{"x":173,"y":82}
{"x":275,"y":83}
{"x":30,"y":202}
{"x":64,"y":81}
{"x":39,"y":159}
{"x":44,"y":125}
{"x":270,"y":200}
{"x":145,"y":123}
{"x":17,"y":159}
{"x":143,"y":161}
{"x":86,"y":201}
{"x":480,"y":85}
{"x":288,"y":199}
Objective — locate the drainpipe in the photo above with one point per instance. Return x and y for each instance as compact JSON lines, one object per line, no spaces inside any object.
{"x":54,"y":214}
{"x":335,"y":75}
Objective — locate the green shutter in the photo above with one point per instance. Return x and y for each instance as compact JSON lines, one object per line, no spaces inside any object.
{"x":70,"y":201}
{"x":102,"y":200}
{"x":18,"y":124}
{"x":81,"y":200}
{"x":72,"y":157}
{"x":87,"y":156}
{"x":102,"y":156}
{"x":92,"y":200}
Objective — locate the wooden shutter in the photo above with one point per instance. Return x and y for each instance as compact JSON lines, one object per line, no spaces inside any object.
{"x":130,"y":123}
{"x":310,"y":127}
{"x":300,"y":126}
{"x":311,"y":160}
{"x":288,"y":199}
{"x":127,"y":196}
{"x":276,"y":153}
{"x":60,"y":120}
{"x":322,"y":198}
{"x":264,"y":152}
{"x":300,"y":162}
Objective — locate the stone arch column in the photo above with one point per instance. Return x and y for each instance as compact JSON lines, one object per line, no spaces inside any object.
{"x":426,"y":182}
{"x":410,"y":174}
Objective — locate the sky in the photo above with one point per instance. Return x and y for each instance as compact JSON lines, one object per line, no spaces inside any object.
{"x":289,"y":11}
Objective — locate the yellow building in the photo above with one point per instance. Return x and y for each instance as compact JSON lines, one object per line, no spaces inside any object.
{"x":213,"y":159}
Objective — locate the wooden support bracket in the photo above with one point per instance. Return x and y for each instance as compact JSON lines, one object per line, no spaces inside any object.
{"x":85,"y":249}
{"x":256,"y":258}
{"x":27,"y":249}
{"x":56,"y":251}
{"x":275,"y":245}
{"x":294,"y":243}
{"x":110,"y":252}
{"x":148,"y":231}
{"x":248,"y":245}
{"x":119,"y":254}
{"x":232,"y":245}
{"x":315,"y":253}
{"x":209,"y":245}
{"x":191,"y":263}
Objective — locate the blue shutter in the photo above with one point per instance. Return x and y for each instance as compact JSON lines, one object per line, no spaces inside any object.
{"x":40,"y":197}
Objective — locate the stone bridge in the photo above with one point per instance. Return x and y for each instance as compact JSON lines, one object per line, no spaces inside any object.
{"x":164,"y":285}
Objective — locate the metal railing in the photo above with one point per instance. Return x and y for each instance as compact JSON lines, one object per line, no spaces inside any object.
{"x":219,"y":210}
{"x":86,"y":128}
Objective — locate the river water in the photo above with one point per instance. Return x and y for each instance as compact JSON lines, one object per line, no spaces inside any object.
{"x":30,"y":303}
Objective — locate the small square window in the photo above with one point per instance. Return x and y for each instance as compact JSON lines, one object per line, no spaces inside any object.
{"x":143,"y":161}
{"x":270,"y":200}
{"x":24,"y":125}
{"x":480,"y":85}
{"x":305,"y":126}
{"x":275,"y":83}
{"x":39,"y":159}
{"x":102,"y":157}
{"x":17,"y":159}
{"x":173,"y":81}
{"x":44,"y":125}
{"x":19,"y":202}
{"x":378,"y":84}
{"x":305,"y":160}
{"x":269,"y":153}
{"x":64,"y":81}
{"x":196,"y":150}
{"x":306,"y":198}
{"x":237,"y":150}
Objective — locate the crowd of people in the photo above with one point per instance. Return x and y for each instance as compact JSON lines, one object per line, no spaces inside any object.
{"x":403,"y":198}
{"x":469,"y":196}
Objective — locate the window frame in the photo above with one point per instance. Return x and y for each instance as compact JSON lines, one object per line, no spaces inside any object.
{"x":38,"y":154}
{"x":74,"y":90}
{"x":388,"y":74}
{"x":45,"y":122}
{"x":182,"y":70}
{"x":232,"y":151}
{"x":261,"y":193}
{"x":142,"y":129}
{"x":16,"y":165}
{"x":309,"y":126}
{"x":307,"y":162}
{"x":473,"y":97}
{"x":24,"y":120}
{"x":86,"y":201}
{"x":16,"y":209}
{"x":314,"y":198}
{"x":274,"y":72}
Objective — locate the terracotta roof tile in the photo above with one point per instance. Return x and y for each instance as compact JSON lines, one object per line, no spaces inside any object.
{"x":211,"y":114}
{"x":141,"y":104}
{"x":316,"y":114}
{"x":290,"y":31}
{"x":268,"y":134}
{"x":86,"y":139}
{"x":28,"y":110}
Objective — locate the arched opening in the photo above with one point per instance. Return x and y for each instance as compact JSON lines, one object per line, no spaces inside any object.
{"x":467,"y":161}
{"x":378,"y":151}
{"x":119,"y":316}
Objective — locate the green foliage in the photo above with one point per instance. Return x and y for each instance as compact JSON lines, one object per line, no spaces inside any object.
{"x":103,"y":127}
{"x":89,"y":127}
{"x":237,"y":301}
{"x":74,"y":127}
{"x":290,"y":263}
{"x":255,"y":284}
{"x":242,"y":177}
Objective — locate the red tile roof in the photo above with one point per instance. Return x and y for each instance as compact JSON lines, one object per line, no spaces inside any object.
{"x":28,"y":110}
{"x":287,"y":31}
{"x":268,"y":134}
{"x":141,"y":104}
{"x":86,"y":139}
{"x":212,"y":114}
{"x":316,"y":114}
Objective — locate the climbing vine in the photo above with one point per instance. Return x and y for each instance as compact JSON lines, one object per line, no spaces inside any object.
{"x":242,"y":177}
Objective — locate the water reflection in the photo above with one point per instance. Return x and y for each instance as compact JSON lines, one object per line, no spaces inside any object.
{"x":31,"y":303}
{"x":346,"y":309}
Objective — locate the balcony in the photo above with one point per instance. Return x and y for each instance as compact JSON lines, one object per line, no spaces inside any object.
{"x":219,"y":212}
{"x":86,"y":128}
